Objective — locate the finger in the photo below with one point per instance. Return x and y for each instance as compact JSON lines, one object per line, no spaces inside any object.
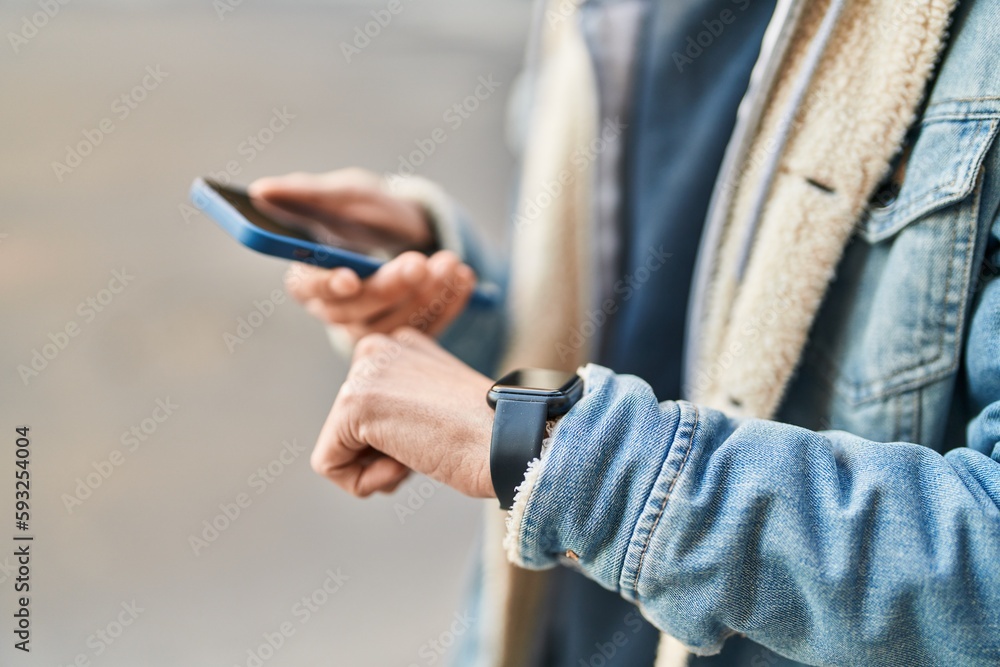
{"x":413,"y":310}
{"x":340,"y":463}
{"x":298,"y":191}
{"x":340,"y":459}
{"x":349,"y":203}
{"x":443,"y":293}
{"x":465,"y":282}
{"x":264,"y":188}
{"x":392,"y":489}
{"x":293,"y":198}
{"x":348,"y":180}
{"x":359,"y":472}
{"x":343,"y":457}
{"x":305,"y":282}
{"x":381,"y":474}
{"x":344,"y":283}
{"x":295,"y":278}
{"x":354,"y":303}
{"x":394,"y":283}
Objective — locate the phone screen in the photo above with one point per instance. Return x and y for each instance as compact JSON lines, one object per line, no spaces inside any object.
{"x":300,"y":229}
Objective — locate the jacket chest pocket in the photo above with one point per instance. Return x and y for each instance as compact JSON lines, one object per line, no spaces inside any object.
{"x":892,"y":320}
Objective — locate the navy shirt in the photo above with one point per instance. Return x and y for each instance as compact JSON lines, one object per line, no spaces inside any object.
{"x":693,"y":68}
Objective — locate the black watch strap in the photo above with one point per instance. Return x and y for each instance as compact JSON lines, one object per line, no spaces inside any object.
{"x":518,"y":431}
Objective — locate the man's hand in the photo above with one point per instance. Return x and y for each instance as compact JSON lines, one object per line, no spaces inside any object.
{"x":412,"y":289}
{"x":407,"y":404}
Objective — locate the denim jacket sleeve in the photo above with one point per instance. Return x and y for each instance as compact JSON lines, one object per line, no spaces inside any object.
{"x":477,"y":335}
{"x":823,"y":546}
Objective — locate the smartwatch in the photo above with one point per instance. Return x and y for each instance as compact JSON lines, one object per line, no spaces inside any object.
{"x":524,"y":400}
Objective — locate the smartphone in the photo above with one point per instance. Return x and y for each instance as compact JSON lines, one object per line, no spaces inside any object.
{"x":237,"y":214}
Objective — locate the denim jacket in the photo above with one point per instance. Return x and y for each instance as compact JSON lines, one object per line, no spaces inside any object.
{"x":861,"y":526}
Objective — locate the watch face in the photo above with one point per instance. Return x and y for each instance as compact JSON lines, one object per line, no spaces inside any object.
{"x":536,"y":381}
{"x":559,"y":390}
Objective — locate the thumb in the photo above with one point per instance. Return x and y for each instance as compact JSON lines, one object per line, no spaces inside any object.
{"x":298,"y":194}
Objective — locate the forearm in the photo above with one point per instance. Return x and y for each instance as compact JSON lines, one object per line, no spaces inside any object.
{"x":822,"y":546}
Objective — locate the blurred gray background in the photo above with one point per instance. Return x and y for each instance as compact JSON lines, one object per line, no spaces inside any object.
{"x":121,"y":207}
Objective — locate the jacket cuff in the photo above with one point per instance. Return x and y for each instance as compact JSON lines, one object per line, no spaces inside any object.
{"x":340,"y":340}
{"x":597,"y":492}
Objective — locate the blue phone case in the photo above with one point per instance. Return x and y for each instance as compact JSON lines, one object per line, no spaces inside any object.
{"x":236,"y":225}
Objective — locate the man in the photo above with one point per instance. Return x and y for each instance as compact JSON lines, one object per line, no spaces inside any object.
{"x":828,"y":494}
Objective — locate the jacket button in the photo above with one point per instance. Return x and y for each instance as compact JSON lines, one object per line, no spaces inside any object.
{"x":572,"y":555}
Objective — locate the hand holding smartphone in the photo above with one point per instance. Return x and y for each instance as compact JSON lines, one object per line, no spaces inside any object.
{"x":256,"y":225}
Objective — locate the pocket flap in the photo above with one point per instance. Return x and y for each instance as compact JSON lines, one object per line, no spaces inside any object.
{"x":942,"y":167}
